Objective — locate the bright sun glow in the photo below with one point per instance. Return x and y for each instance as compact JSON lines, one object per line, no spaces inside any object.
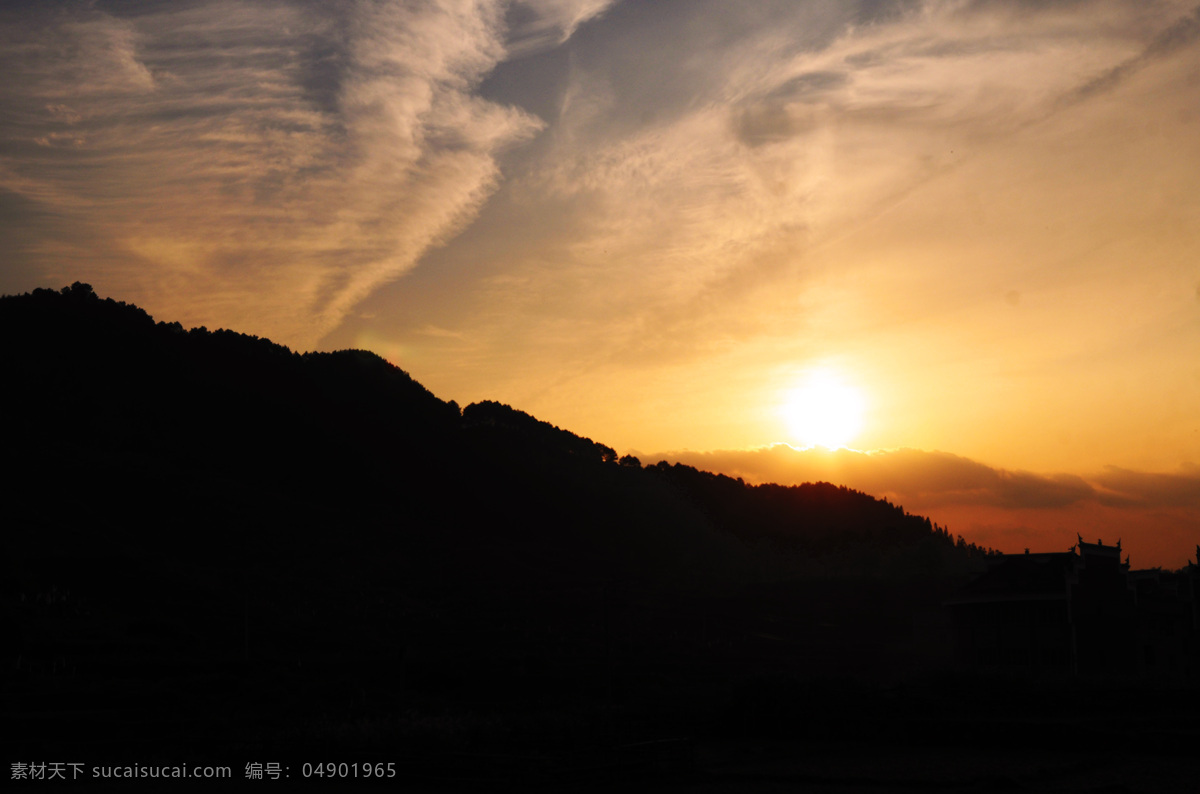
{"x":824,"y":411}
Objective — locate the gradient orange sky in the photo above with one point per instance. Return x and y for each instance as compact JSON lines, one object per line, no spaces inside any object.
{"x":650,"y":222}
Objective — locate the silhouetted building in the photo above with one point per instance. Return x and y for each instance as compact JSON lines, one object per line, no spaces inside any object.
{"x":1080,"y":612}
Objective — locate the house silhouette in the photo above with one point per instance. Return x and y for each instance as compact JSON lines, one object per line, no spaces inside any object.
{"x":1078,"y":613}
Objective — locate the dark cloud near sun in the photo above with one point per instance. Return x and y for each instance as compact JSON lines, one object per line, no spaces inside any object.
{"x":1156,"y":514}
{"x":922,"y":480}
{"x":1142,"y":489}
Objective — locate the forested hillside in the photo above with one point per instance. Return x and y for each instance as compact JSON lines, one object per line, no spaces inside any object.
{"x":148,"y":428}
{"x":213,"y":515}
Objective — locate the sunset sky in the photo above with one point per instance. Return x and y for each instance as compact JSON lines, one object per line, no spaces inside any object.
{"x":653,"y":222}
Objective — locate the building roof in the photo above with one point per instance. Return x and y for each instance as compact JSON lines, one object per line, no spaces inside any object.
{"x":1021,"y":577}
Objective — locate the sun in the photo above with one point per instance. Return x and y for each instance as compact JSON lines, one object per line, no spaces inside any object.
{"x":824,"y":411}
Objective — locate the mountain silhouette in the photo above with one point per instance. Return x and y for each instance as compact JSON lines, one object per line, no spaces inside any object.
{"x":217,"y":546}
{"x":199,"y":439}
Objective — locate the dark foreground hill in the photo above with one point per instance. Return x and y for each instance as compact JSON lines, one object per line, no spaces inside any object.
{"x":215,"y":547}
{"x":150,"y":434}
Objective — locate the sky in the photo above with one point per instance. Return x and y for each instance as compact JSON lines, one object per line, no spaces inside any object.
{"x":652,"y":222}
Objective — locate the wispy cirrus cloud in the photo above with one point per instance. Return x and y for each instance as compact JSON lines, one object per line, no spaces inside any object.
{"x":768,"y":136}
{"x":264,"y":166}
{"x":280,"y":162}
{"x":540,"y":24}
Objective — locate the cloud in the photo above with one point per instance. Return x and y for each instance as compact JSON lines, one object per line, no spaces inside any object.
{"x":258,"y":166}
{"x":1143,"y":489}
{"x":766,"y":135}
{"x":918,"y":479}
{"x":279,"y":163}
{"x":1181,"y":33}
{"x":1156,"y":514}
{"x":537,"y":25}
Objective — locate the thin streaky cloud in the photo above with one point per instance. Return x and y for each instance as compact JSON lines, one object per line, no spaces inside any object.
{"x":274,"y":164}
